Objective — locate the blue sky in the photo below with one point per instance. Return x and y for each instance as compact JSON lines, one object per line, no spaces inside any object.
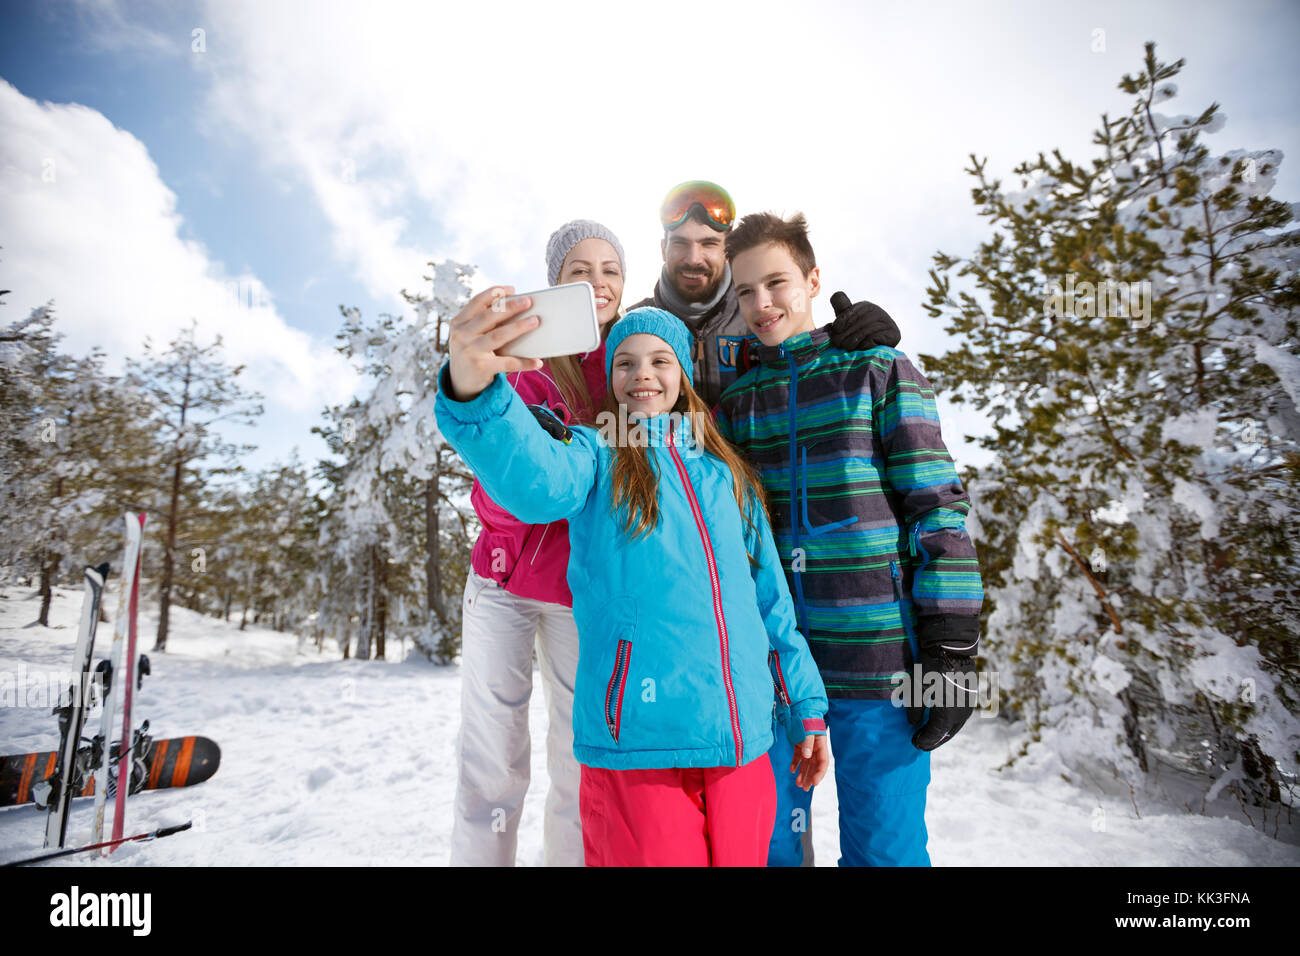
{"x":312,"y":155}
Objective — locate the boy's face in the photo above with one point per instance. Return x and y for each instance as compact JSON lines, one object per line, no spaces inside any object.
{"x":775,"y":297}
{"x":696,"y":260}
{"x":645,"y":375}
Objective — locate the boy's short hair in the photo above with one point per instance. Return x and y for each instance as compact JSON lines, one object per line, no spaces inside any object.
{"x":762,"y":227}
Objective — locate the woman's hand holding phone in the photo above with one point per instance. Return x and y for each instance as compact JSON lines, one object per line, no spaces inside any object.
{"x":477,"y":331}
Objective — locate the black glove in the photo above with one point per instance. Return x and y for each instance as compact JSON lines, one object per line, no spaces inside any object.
{"x":554,"y":427}
{"x":947,"y":646}
{"x":859,"y":326}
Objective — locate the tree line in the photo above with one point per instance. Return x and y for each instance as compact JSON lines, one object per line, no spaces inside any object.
{"x":365,"y":546}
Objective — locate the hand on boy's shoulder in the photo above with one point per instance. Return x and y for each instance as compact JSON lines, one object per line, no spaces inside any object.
{"x":859,"y":326}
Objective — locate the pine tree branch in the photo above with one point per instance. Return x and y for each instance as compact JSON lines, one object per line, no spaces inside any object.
{"x":443,"y":497}
{"x":1101,"y":592}
{"x":1105,"y":422}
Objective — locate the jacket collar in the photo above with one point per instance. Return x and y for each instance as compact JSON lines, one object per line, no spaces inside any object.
{"x":803,"y":348}
{"x":658,"y":428}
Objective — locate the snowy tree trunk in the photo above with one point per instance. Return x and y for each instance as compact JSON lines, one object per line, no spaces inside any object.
{"x":49,"y":563}
{"x":432,"y":559}
{"x":368,"y":610}
{"x":169,"y":554}
{"x":381,"y":600}
{"x":248,"y":598}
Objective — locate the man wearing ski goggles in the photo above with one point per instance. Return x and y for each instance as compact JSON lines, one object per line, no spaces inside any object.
{"x":712,"y":200}
{"x":695,"y":285}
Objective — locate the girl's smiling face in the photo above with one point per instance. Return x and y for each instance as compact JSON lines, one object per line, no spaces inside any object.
{"x":645,"y":375}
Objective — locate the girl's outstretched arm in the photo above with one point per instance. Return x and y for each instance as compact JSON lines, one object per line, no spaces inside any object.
{"x":535,"y":477}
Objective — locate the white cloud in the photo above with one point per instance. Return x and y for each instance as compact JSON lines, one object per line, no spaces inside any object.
{"x":498,"y":122}
{"x":91,"y":225}
{"x":501,"y":121}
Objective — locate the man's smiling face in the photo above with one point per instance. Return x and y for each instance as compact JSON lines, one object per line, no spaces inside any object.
{"x":695,"y":259}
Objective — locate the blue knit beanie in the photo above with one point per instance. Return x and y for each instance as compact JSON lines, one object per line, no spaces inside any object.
{"x":652,"y":321}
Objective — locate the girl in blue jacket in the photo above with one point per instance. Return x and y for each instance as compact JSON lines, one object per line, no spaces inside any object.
{"x":684,"y":618}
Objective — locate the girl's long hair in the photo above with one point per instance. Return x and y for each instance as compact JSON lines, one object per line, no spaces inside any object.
{"x":566,"y":373}
{"x":635,"y":484}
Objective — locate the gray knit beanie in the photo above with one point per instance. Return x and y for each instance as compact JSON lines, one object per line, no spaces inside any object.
{"x":568,"y":236}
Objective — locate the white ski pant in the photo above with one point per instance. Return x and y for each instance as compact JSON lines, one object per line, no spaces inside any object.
{"x":494,"y":746}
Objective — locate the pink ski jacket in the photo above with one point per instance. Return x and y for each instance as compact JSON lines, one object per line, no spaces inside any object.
{"x":532,"y":560}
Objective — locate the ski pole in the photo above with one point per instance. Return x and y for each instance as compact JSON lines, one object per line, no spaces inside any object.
{"x":152,"y":835}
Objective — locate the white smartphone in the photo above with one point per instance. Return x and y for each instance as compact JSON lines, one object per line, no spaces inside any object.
{"x":568,"y":326}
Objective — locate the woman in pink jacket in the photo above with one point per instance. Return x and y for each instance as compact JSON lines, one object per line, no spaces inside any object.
{"x":517,"y":598}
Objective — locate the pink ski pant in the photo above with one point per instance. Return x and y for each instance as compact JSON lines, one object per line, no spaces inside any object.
{"x":709,"y":816}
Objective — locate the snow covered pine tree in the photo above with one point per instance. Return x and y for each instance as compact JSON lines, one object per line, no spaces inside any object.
{"x":1131,"y":331}
{"x":395,"y":534}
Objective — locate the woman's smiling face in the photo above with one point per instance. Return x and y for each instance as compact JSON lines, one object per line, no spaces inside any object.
{"x":645,"y":375}
{"x":596,"y":261}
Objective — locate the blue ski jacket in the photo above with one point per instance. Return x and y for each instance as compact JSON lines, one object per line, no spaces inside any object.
{"x":681,"y":639}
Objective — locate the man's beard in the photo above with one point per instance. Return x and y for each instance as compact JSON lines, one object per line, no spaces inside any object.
{"x":703,"y":295}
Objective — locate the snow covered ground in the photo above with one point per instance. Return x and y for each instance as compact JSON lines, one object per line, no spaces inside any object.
{"x":333,"y":762}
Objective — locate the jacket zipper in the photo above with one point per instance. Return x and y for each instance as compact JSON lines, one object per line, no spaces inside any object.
{"x":717,"y":592}
{"x":916,"y":548}
{"x":522,"y":550}
{"x":800,"y":610}
{"x":903,"y":611}
{"x":782,"y":691}
{"x":614,"y":714}
{"x":539,"y":544}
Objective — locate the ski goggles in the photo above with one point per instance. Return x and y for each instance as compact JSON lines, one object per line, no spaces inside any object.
{"x":710,"y":197}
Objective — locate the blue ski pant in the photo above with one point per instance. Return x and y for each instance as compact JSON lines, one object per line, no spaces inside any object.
{"x":881,"y":780}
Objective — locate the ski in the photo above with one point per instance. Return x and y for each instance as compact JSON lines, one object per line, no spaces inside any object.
{"x":126,"y":606}
{"x":124,"y":766}
{"x":158,"y":765}
{"x":72,"y":715}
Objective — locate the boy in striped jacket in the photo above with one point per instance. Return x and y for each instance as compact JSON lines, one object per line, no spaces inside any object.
{"x":869,"y":517}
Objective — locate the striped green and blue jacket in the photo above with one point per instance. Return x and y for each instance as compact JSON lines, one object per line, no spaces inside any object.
{"x":866,"y":507}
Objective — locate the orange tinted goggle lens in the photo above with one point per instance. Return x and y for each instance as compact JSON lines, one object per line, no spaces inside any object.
{"x":715,"y":202}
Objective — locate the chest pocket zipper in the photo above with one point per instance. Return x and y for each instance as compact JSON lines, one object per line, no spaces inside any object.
{"x":803,"y":495}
